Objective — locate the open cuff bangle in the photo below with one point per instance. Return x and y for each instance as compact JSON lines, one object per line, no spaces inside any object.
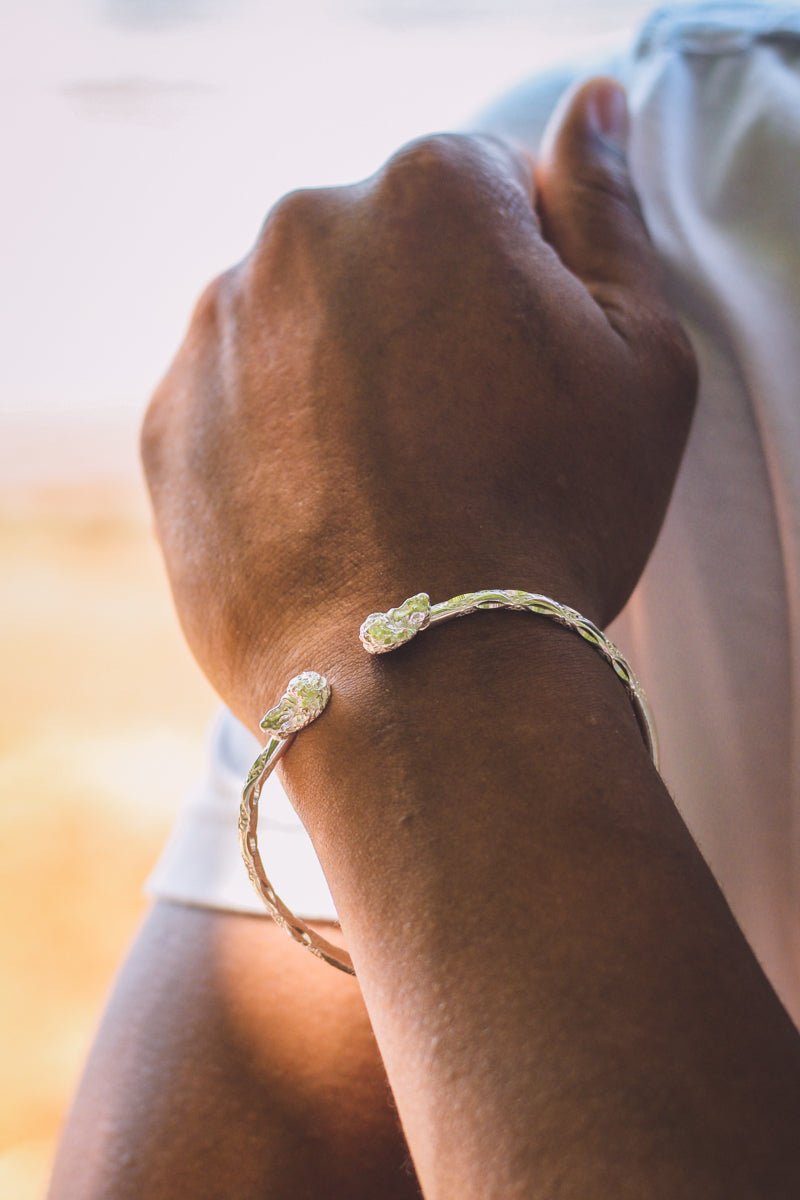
{"x":308,"y":693}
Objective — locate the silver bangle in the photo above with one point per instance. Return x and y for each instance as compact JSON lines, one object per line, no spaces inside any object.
{"x":309,"y":692}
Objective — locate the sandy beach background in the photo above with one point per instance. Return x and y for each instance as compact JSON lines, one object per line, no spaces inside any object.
{"x":143,"y":141}
{"x":102,"y":724}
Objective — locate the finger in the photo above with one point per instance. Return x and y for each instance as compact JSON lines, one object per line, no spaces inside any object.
{"x":588,"y":207}
{"x":480,"y":164}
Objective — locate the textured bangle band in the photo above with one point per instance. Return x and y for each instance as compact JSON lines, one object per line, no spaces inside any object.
{"x":308,"y":693}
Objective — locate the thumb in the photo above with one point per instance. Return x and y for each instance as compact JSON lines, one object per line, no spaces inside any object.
{"x":588,"y":208}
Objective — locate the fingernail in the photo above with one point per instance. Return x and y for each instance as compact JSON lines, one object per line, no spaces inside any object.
{"x":608,"y":111}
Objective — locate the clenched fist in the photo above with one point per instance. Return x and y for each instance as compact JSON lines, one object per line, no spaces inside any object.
{"x":460,"y":373}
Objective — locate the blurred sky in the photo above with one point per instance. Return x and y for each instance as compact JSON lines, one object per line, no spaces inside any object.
{"x":142,"y":142}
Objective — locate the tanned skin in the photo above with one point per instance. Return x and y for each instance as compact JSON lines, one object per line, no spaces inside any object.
{"x":459,"y":373}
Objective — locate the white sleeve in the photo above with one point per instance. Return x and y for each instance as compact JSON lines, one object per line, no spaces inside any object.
{"x":202,"y":864}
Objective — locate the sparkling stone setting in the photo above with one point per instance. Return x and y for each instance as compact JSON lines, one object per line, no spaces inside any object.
{"x":382,"y":632}
{"x":304,"y":699}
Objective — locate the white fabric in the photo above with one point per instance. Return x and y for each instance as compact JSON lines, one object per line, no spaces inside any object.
{"x":202,"y":863}
{"x":713,"y":627}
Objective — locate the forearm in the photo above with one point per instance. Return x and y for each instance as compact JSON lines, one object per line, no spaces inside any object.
{"x":560,"y":994}
{"x":229,"y":1065}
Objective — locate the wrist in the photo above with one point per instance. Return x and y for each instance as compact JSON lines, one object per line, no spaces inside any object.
{"x":497,"y":685}
{"x":391,"y":761}
{"x":325,"y":635}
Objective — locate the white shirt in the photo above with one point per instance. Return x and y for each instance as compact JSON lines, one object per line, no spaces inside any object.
{"x":713,"y":628}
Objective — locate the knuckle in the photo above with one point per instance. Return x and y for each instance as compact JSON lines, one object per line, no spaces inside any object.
{"x":293,"y":208}
{"x":205,"y":315}
{"x":430,"y":165}
{"x":175,"y":392}
{"x":211,"y":320}
{"x":295,"y":216}
{"x":151,"y":436}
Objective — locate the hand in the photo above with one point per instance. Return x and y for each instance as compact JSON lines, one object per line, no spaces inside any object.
{"x":439,"y":379}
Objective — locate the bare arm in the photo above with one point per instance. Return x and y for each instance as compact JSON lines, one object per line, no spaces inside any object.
{"x":227,"y":1064}
{"x":593,"y":1024}
{"x":456,"y":375}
